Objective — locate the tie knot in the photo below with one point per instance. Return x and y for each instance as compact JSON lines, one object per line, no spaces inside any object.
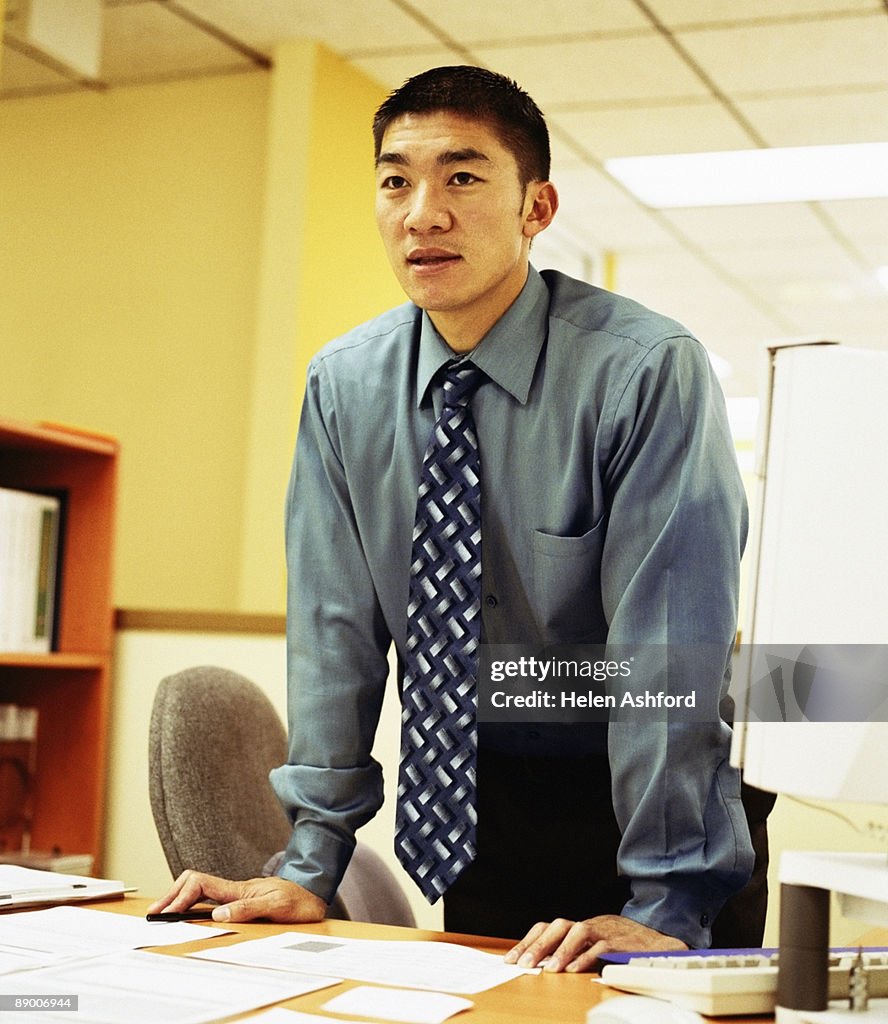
{"x":460,"y":382}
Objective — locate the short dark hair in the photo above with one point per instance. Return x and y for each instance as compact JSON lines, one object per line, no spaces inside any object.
{"x":481,"y":94}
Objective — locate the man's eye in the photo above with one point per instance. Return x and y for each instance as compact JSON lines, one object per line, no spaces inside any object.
{"x":463,"y":178}
{"x":394,"y":181}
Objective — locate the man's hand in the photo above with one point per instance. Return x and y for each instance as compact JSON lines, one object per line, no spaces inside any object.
{"x":274,"y":899}
{"x":575,"y":945}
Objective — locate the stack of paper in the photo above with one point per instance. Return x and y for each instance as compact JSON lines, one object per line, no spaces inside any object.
{"x":436,"y":966}
{"x":26,"y":887}
{"x":87,"y":961}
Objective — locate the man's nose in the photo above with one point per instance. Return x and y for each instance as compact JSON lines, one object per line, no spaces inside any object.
{"x":428,"y":210}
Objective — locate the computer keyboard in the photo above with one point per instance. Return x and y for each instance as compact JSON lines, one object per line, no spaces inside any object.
{"x":724,"y":984}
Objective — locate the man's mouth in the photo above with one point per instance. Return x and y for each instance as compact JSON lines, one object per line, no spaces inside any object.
{"x":431,"y":257}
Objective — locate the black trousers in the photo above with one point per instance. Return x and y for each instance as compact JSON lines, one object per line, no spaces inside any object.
{"x":547,"y":843}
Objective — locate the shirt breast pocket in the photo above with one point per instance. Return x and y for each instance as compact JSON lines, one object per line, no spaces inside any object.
{"x":567,"y":585}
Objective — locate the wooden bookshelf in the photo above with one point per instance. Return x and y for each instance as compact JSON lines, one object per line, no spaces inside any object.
{"x":70,"y":685}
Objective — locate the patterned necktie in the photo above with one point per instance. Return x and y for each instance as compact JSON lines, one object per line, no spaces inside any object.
{"x":436,"y":816}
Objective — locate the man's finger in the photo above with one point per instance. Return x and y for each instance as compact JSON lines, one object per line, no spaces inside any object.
{"x":193,"y":886}
{"x":578,"y":939}
{"x":179,"y":896}
{"x":517,"y":950}
{"x":239,"y":910}
{"x":586,"y":961}
{"x":543,"y":945}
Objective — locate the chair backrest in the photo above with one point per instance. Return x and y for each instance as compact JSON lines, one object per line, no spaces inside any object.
{"x":213,"y":738}
{"x":371,"y":892}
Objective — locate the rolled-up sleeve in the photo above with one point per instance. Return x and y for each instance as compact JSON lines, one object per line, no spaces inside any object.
{"x":337,"y":657}
{"x":670,"y":573}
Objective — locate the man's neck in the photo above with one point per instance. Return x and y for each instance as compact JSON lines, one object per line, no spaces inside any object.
{"x":464,"y":329}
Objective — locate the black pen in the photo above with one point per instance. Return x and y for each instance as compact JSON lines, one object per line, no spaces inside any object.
{"x":196,"y":914}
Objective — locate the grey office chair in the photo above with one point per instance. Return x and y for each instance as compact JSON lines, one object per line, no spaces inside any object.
{"x":213,"y":738}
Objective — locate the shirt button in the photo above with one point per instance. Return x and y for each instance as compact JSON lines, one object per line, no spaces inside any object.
{"x":491,"y":601}
{"x":704,"y":920}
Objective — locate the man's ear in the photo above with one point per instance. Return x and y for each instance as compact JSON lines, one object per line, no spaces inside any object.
{"x":541,"y":204}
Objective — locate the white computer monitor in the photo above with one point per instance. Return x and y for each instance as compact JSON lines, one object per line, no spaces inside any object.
{"x":811,"y":679}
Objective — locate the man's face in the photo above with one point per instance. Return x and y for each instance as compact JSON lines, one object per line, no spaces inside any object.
{"x":455,"y":220}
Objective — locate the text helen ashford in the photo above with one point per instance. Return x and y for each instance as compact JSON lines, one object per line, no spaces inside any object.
{"x":603,"y":670}
{"x":545,"y":699}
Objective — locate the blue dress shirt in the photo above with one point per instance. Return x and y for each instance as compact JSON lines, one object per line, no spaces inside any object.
{"x":613,"y":513}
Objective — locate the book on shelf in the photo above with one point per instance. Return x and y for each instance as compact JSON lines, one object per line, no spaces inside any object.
{"x":29,"y":556}
{"x":51,"y":860}
{"x":18,"y":768}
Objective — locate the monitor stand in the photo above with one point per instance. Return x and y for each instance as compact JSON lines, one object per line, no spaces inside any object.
{"x":860,"y":880}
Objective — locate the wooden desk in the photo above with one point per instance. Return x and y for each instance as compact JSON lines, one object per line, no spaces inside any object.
{"x":534,"y":999}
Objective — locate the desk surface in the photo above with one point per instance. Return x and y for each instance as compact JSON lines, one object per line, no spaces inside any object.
{"x":534,"y":999}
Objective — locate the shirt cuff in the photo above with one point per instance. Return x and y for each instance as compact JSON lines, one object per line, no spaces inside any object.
{"x":316,"y":859}
{"x":683,"y":911}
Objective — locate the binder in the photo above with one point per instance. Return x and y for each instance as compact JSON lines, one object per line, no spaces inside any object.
{"x":29,"y":558}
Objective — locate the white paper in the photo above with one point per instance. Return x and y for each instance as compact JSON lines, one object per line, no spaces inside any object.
{"x":36,"y":938}
{"x":21,"y":886}
{"x":398,"y":1005}
{"x":147,"y":988}
{"x":439,"y":966}
{"x":280,"y":1015}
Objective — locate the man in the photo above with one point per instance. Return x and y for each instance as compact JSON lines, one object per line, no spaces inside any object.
{"x":607,"y":509}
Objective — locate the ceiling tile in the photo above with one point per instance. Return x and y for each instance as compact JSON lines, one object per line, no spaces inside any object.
{"x":599,"y":214}
{"x":877,"y":253}
{"x":750,"y":226}
{"x":824,"y":119}
{"x":20,"y":74}
{"x":502,"y":24}
{"x":795,"y":273}
{"x":801,"y":71}
{"x":564,"y":153}
{"x":863,"y":219}
{"x":394,"y":69}
{"x":689,"y":12}
{"x":343,"y":26}
{"x":622,"y":228}
{"x":680,"y":128}
{"x":147,"y":40}
{"x":857,"y":323}
{"x":643,"y":67}
{"x":665,"y":284}
{"x":798,"y":55}
{"x":582,"y":185}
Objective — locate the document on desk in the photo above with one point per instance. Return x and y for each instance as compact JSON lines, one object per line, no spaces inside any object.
{"x":280,"y":1015}
{"x":144,"y":988}
{"x":394,"y":1004}
{"x":438,"y":966}
{"x":27,"y":887}
{"x":37,"y":938}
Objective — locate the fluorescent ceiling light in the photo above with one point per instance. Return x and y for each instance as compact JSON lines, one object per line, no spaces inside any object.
{"x":797,"y":174}
{"x":882,"y":277}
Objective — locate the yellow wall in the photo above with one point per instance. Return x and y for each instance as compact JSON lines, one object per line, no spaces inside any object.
{"x":171,"y":255}
{"x":130,"y":224}
{"x":341,"y":239}
{"x":336,"y":278}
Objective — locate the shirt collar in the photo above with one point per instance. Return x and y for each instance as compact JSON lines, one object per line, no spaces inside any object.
{"x":508,"y":353}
